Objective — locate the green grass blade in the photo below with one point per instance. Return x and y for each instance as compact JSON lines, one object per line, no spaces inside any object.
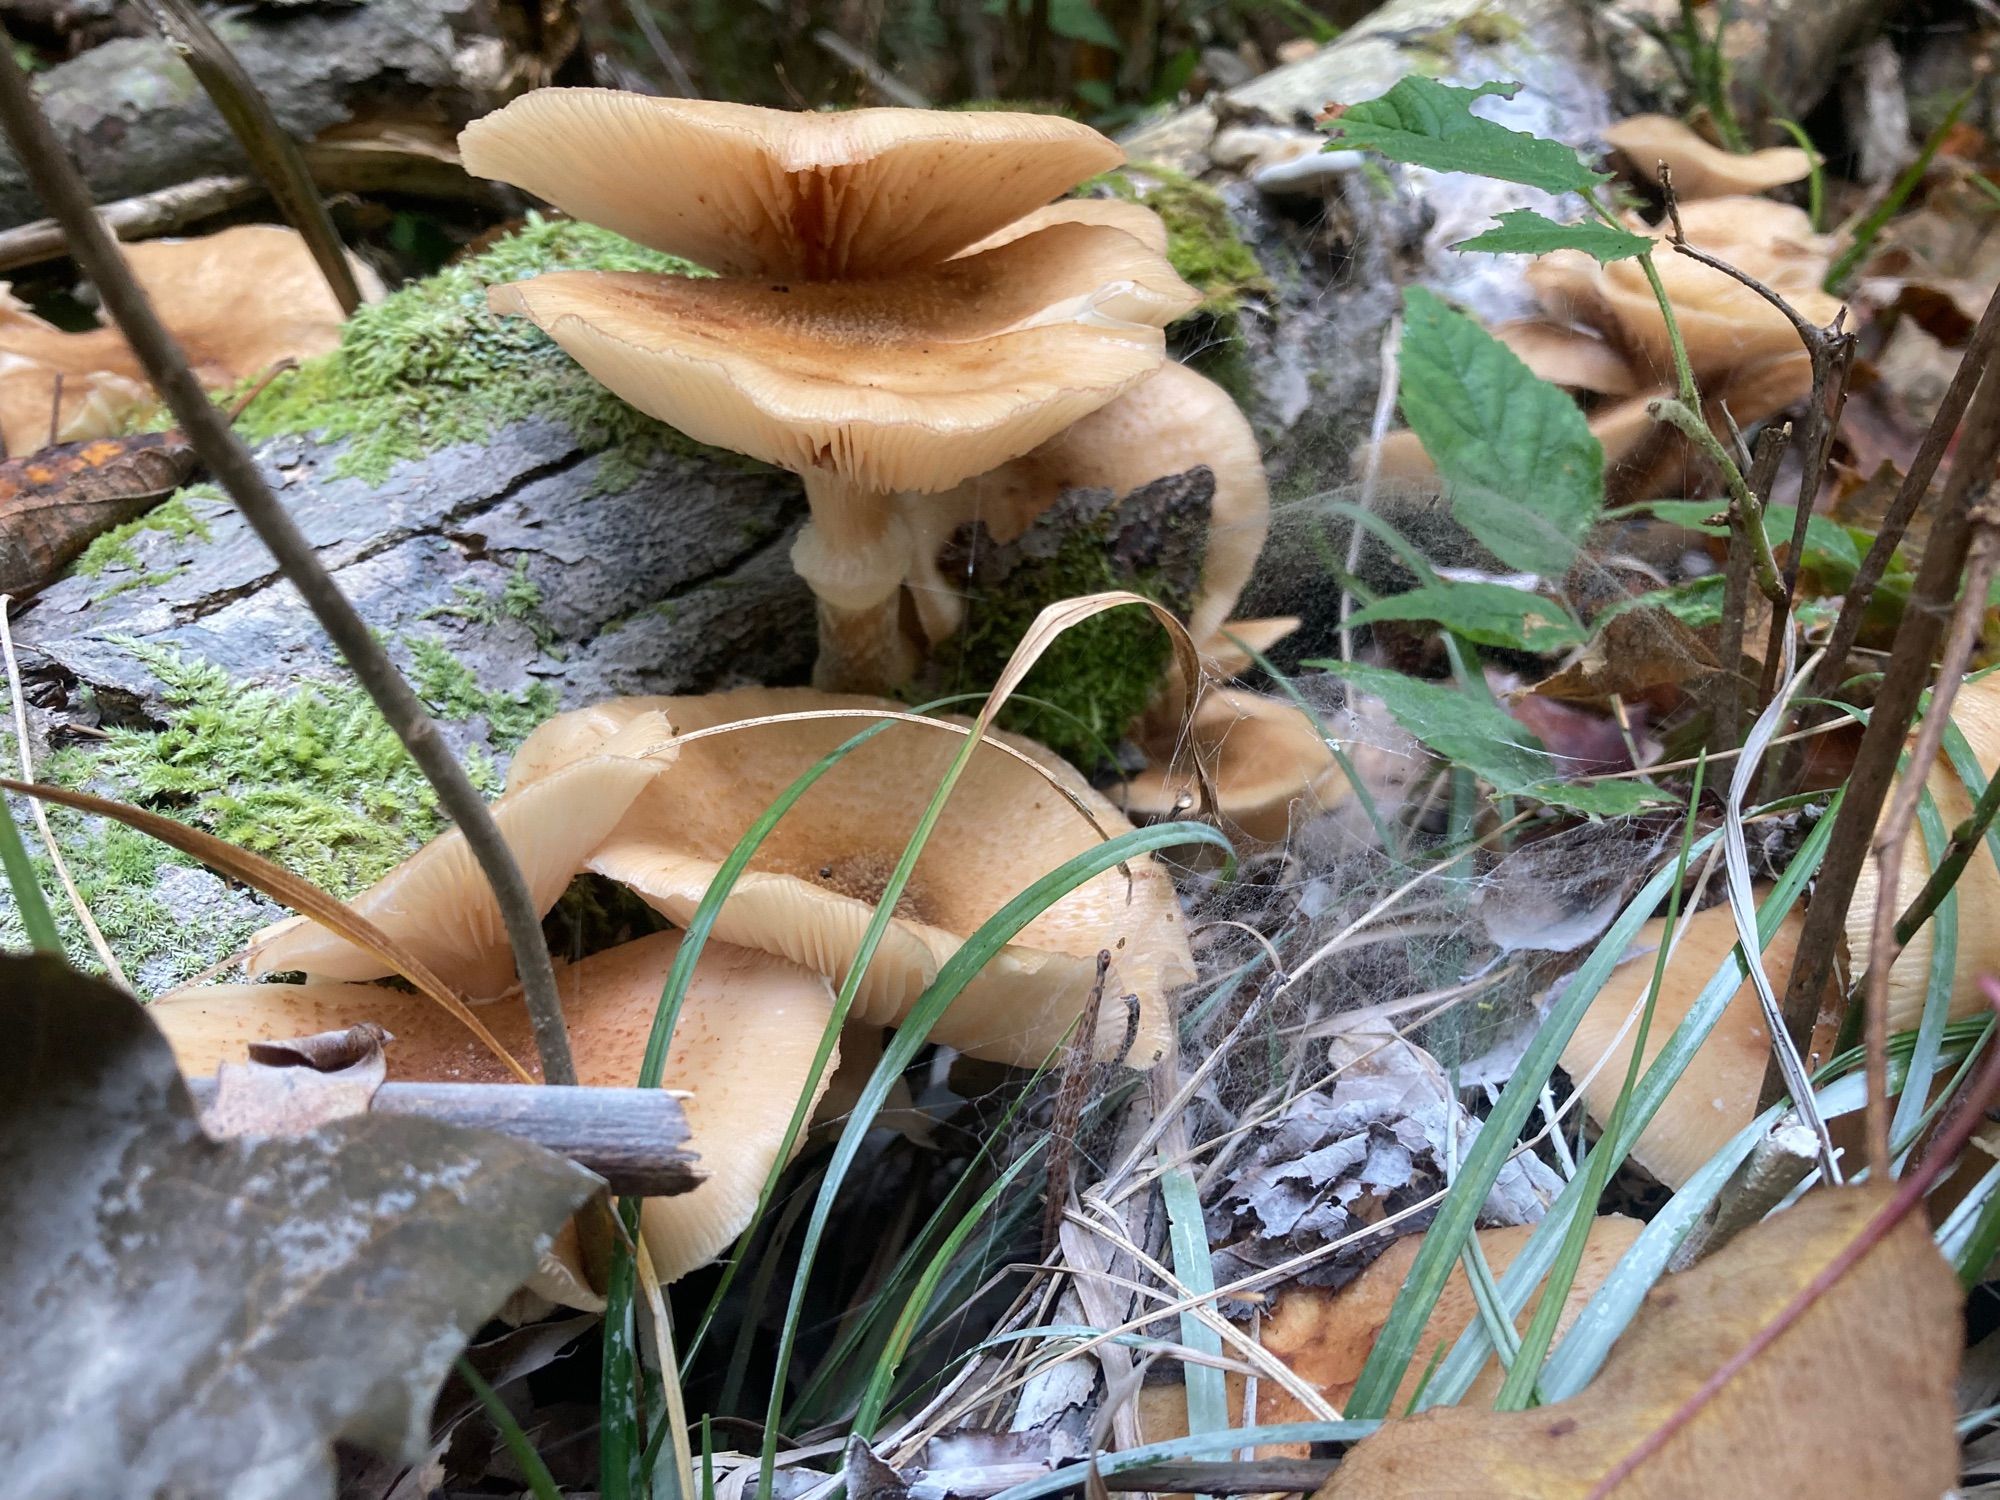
{"x":540,"y":1481}
{"x":1866,"y":232}
{"x":978,"y":950}
{"x":36,"y":921}
{"x":1938,"y":981}
{"x":1198,"y":1445}
{"x":1207,"y":1396}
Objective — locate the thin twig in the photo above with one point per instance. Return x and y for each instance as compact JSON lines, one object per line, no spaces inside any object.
{"x":1909,"y":668}
{"x":885,"y":83}
{"x":1764,"y":567}
{"x":55,"y":180}
{"x":1067,"y":1116}
{"x":1909,"y":1194}
{"x":274,"y":155}
{"x":1979,"y":353}
{"x":641,"y":11}
{"x":41,"y":816}
{"x":1726,"y":731}
{"x":1894,"y":830}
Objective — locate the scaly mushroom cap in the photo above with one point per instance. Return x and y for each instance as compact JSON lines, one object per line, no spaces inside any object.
{"x":1269,"y":765}
{"x":197,"y":288}
{"x":1701,"y":170}
{"x":906,"y":383}
{"x":1976,"y":712}
{"x":811,"y":889}
{"x":743,"y":1046}
{"x":766,"y":192}
{"x":1171,"y":421}
{"x":438,"y":903}
{"x":1717,"y":1095}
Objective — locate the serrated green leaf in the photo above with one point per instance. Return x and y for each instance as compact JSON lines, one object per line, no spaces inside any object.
{"x":1488,"y":614}
{"x":1494,"y":746}
{"x":1522,"y":231}
{"x":1524,"y":474}
{"x":1431,"y":124}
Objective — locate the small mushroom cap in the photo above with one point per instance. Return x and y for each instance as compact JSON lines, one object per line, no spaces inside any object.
{"x":810,"y":890}
{"x":1137,"y":220}
{"x":906,"y":383}
{"x":766,"y":192}
{"x":438,"y":904}
{"x":1171,"y":421}
{"x":743,"y":1046}
{"x":1567,"y":356}
{"x":1269,"y":763}
{"x":1976,"y":712}
{"x":1701,"y":170}
{"x":1717,"y":1095}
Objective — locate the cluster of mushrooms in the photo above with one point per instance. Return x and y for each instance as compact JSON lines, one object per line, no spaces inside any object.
{"x":899,"y":314}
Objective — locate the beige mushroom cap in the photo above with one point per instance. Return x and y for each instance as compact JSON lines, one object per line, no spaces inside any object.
{"x":1171,"y":421}
{"x":810,"y":891}
{"x":907,"y":383}
{"x":1976,"y":712}
{"x":1137,"y":220}
{"x":438,"y":904}
{"x":1269,"y":765}
{"x":1701,"y":170}
{"x":1717,"y":1095}
{"x":766,"y":192}
{"x":743,"y":1045}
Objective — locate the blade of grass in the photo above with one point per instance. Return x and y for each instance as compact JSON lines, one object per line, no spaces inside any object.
{"x":1878,"y":217}
{"x":541,"y":1483}
{"x":36,"y":920}
{"x":1197,"y":1445}
{"x":1532,"y":1262}
{"x":1938,"y":979}
{"x":993,"y":935}
{"x":1207,"y":1398}
{"x":1517,"y":1391}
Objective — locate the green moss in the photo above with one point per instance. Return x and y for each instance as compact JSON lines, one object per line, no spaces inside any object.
{"x":1096,"y":677}
{"x":431,"y":366}
{"x":453,"y":691}
{"x":519,"y":599}
{"x":174,"y":517}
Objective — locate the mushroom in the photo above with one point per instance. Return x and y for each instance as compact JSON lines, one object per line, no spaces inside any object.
{"x":811,"y":889}
{"x":1717,"y":1095}
{"x":196,"y":286}
{"x":743,"y":1045}
{"x":1699,"y":169}
{"x":1268,"y":762}
{"x":1325,"y":1334}
{"x":1172,"y":421}
{"x":1976,"y":711}
{"x":438,"y":902}
{"x":1601,"y":334}
{"x":847,"y":339}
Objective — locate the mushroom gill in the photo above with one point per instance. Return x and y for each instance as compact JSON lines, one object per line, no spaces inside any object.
{"x":809,"y":892}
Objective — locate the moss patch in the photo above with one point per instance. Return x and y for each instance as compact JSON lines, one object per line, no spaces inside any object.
{"x":174,"y":517}
{"x":1097,"y":677}
{"x":519,"y":598}
{"x":453,"y":691}
{"x":431,"y":366}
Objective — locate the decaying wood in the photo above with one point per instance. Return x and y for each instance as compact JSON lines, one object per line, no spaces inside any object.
{"x":635,"y":1139}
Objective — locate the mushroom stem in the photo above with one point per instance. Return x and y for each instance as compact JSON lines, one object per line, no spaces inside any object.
{"x":853,"y":554}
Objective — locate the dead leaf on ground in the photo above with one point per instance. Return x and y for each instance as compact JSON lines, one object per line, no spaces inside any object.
{"x":188,"y":1316}
{"x":239,"y":302}
{"x":1855,"y":1399}
{"x":55,"y":501}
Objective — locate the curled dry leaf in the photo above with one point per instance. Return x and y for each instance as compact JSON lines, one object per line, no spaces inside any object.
{"x":239,"y":301}
{"x":1701,"y":170}
{"x":744,"y":1042}
{"x":810,"y":890}
{"x":188,"y":1316}
{"x":1856,"y":1398}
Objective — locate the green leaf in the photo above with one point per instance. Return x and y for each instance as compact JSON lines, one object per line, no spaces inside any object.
{"x":1829,"y":545}
{"x":1524,"y":473}
{"x":1522,"y":231}
{"x":1488,"y":614}
{"x":1431,"y":124}
{"x":1081,"y":21}
{"x":1494,"y":746}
